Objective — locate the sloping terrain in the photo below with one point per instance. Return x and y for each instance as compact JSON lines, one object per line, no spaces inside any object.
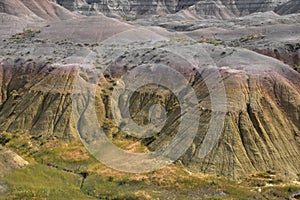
{"x":261,"y":132}
{"x":33,"y":99}
{"x":35,"y":9}
{"x":289,"y":7}
{"x":262,"y":119}
{"x":10,"y":160}
{"x":44,"y":45}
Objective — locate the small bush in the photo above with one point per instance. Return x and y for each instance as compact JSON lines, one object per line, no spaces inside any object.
{"x":15,"y":94}
{"x":124,"y":181}
{"x":110,"y":179}
{"x":106,"y":74}
{"x":83,"y":75}
{"x":5,"y":138}
{"x":215,"y":41}
{"x":125,"y":19}
{"x":297,"y":68}
{"x":264,"y":175}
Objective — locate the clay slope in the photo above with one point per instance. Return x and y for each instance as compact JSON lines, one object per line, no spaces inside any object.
{"x":35,"y":9}
{"x":263,"y":96}
{"x":224,"y":9}
{"x":35,"y":97}
{"x":85,"y":29}
{"x":292,"y":6}
{"x":261,"y":130}
{"x":262,"y":121}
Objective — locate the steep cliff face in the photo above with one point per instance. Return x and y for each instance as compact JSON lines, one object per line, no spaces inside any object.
{"x":122,"y":7}
{"x":35,"y":98}
{"x":261,"y":131}
{"x":210,"y":8}
{"x":223,"y":9}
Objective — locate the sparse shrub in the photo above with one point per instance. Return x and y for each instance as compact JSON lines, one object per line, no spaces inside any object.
{"x":297,"y":68}
{"x":111,"y":88}
{"x":49,"y":59}
{"x":125,"y":18}
{"x":271,"y":172}
{"x":106,"y":74}
{"x":124,"y":181}
{"x":98,"y":66}
{"x":252,"y":37}
{"x":83,"y":75}
{"x":17,"y":131}
{"x":24,"y":36}
{"x":213,"y":183}
{"x":180,"y":38}
{"x":276,"y":181}
{"x":15,"y":94}
{"x":214,"y":41}
{"x":264,"y":175}
{"x":110,"y":179}
{"x":96,"y":44}
{"x":5,"y":138}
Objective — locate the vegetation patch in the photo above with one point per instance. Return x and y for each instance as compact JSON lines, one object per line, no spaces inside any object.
{"x":26,"y":35}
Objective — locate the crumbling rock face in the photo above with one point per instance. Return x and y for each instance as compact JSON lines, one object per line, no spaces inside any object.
{"x":262,"y":124}
{"x":212,"y":8}
{"x":224,"y":9}
{"x":35,"y":97}
{"x":289,"y":7}
{"x":261,"y":128}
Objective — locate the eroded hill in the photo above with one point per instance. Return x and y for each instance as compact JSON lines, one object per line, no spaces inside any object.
{"x":258,"y":144}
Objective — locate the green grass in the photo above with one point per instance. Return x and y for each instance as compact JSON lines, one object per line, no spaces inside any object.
{"x":214,"y":41}
{"x":43,"y":182}
{"x":281,"y":192}
{"x":40,"y":181}
{"x":252,"y":37}
{"x":102,"y":188}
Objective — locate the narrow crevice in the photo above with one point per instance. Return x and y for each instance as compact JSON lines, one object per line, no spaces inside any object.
{"x":84,"y":176}
{"x":242,"y":138}
{"x":255,"y":122}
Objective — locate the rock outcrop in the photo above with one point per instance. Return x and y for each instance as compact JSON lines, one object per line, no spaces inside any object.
{"x":35,"y":97}
{"x":204,"y":8}
{"x":289,"y":7}
{"x":224,"y":9}
{"x":262,"y":121}
{"x":9,"y":160}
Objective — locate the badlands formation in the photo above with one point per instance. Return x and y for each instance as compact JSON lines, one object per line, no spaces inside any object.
{"x":254,"y":46}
